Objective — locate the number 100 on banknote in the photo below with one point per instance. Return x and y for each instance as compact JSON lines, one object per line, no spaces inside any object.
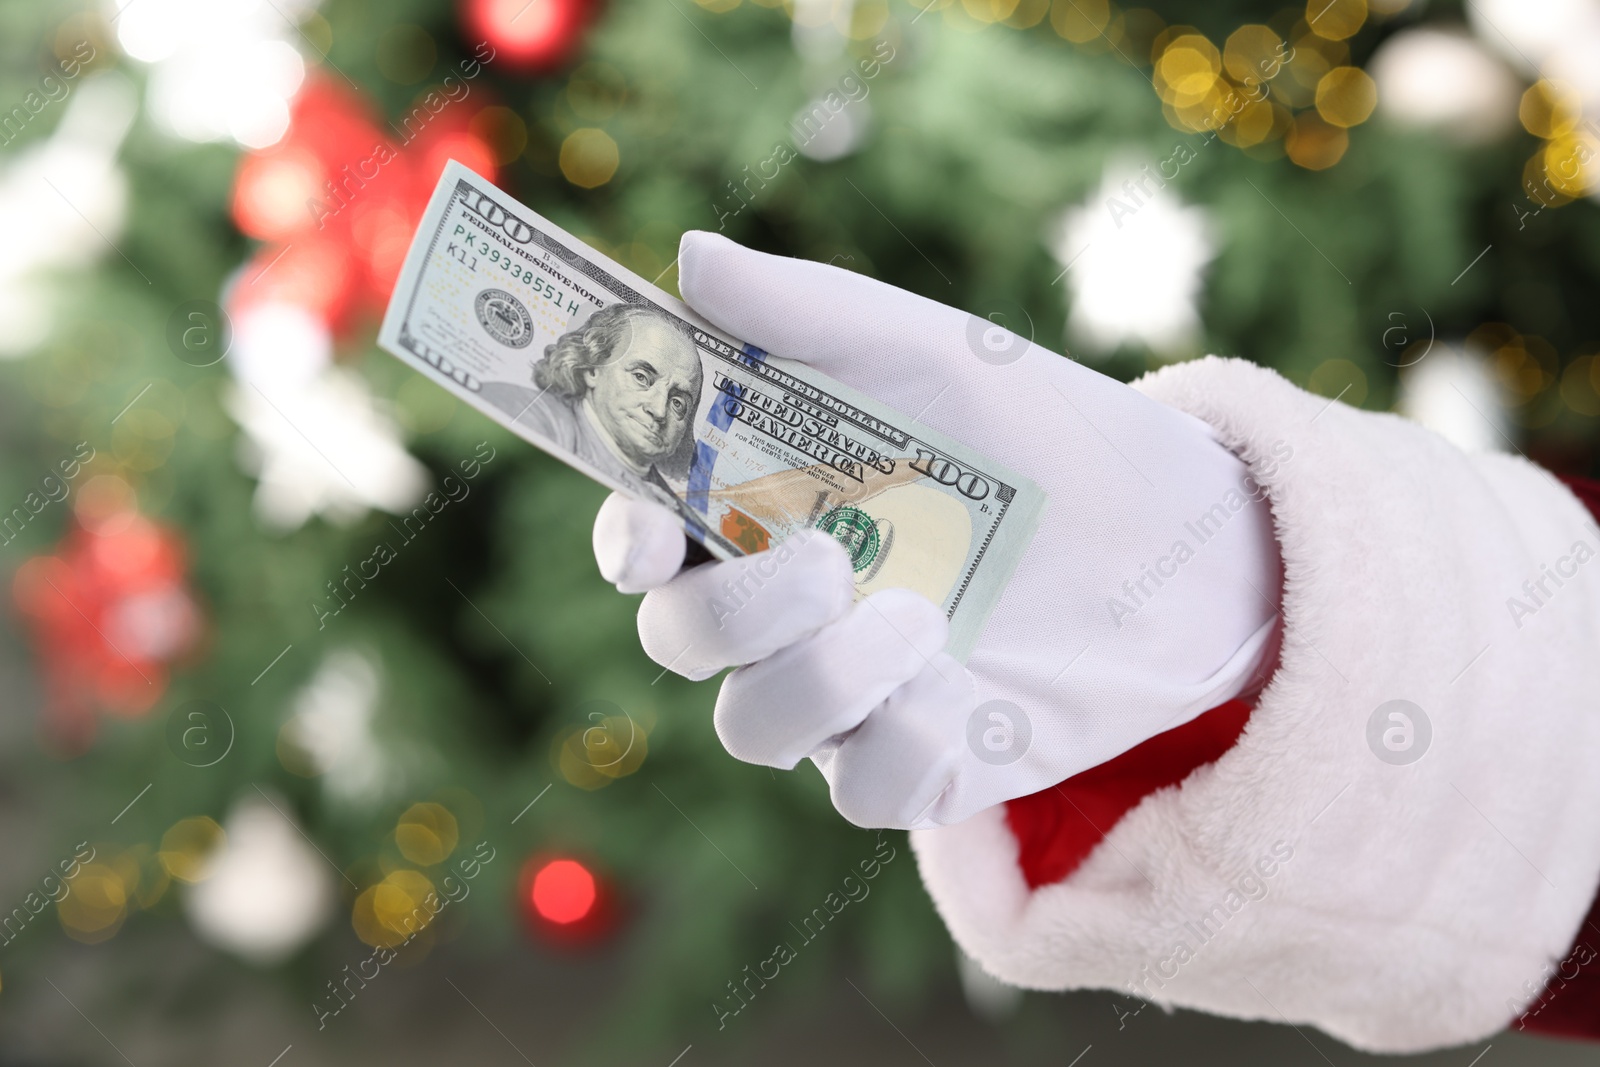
{"x":583,"y":358}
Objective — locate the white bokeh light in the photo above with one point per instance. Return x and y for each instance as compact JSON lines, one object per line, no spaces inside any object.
{"x":1133,"y":263}
{"x":315,"y":437}
{"x":1454,"y":393}
{"x":221,"y":69}
{"x":335,"y":730}
{"x":1554,"y":39}
{"x":825,"y":135}
{"x":265,"y":892}
{"x":332,"y":727}
{"x":279,"y":346}
{"x":1446,"y":80}
{"x":323,"y":448}
{"x":62,"y":203}
{"x":1529,"y":33}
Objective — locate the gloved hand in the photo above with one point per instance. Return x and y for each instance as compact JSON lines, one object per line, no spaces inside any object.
{"x":1148,"y":595}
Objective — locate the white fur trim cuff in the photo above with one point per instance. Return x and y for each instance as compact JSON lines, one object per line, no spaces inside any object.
{"x":1401,"y":882}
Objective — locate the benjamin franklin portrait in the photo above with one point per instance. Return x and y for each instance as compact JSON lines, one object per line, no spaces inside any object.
{"x":619,"y":393}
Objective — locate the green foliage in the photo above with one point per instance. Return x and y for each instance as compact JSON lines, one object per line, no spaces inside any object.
{"x":493,"y":629}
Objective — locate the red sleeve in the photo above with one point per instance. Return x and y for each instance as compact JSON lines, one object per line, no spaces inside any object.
{"x":1057,"y":828}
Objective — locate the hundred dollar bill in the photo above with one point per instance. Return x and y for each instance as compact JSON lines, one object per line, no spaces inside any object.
{"x":588,"y":361}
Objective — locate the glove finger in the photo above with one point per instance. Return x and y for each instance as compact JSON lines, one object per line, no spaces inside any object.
{"x":775,"y":711}
{"x":891,"y":771}
{"x":724,"y":614}
{"x":638,"y":544}
{"x":872,"y":336}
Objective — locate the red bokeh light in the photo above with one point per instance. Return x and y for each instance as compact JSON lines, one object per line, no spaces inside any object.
{"x":535,"y":34}
{"x":111,"y":612}
{"x":271,"y":191}
{"x":337,"y":200}
{"x":563,"y":891}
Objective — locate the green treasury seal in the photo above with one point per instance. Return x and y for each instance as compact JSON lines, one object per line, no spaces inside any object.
{"x":855,"y":530}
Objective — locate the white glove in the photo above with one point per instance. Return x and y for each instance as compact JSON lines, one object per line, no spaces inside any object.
{"x":1148,"y":595}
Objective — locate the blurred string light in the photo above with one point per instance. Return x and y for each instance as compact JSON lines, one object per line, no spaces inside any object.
{"x":1473,"y":391}
{"x":1556,"y":42}
{"x":563,"y":891}
{"x":856,"y":19}
{"x":1133,"y":275}
{"x":427,"y":834}
{"x":566,"y":901}
{"x":111,"y":611}
{"x":331,"y":734}
{"x":1437,"y":78}
{"x":1524,"y":366}
{"x":1339,"y":378}
{"x":144,"y":880}
{"x":1283,"y":89}
{"x":1555,"y":38}
{"x":187,"y":847}
{"x":1231,"y":86}
{"x":220,"y":69}
{"x":395,"y":910}
{"x":1567,"y":165}
{"x":97,"y":905}
{"x":400,"y":908}
{"x":1580,"y":386}
{"x":261,"y":891}
{"x":836,"y":117}
{"x":105,"y":892}
{"x":820,"y":28}
{"x":1446,"y":80}
{"x":62,"y":205}
{"x":1454,"y":391}
{"x":1288,"y":88}
{"x":589,"y":157}
{"x":611,"y":744}
{"x":335,"y":216}
{"x":296,"y":478}
{"x":528,"y":34}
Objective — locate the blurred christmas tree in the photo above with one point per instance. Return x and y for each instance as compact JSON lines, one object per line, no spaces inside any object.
{"x":292,"y":599}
